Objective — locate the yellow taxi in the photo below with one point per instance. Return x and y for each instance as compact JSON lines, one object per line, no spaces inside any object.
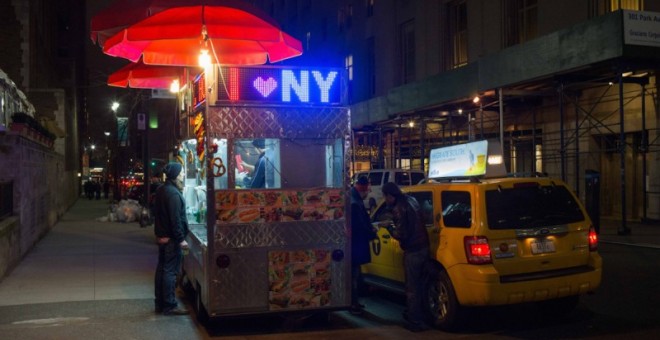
{"x":494,"y":240}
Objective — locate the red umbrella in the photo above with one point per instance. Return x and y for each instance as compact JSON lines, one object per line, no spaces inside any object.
{"x":175,"y":37}
{"x":139,"y":75}
{"x":123,"y":13}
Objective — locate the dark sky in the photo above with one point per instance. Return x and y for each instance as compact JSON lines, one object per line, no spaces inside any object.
{"x":100,"y":95}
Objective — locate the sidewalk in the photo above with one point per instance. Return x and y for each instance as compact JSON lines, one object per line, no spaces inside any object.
{"x":641,"y":234}
{"x":88,"y":280}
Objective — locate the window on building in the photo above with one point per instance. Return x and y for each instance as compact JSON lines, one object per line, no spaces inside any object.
{"x":309,"y":38}
{"x":371,"y":65}
{"x":520,"y":21}
{"x":345,"y":17}
{"x":600,"y":7}
{"x":407,"y":39}
{"x":349,"y":16}
{"x":348,"y":63}
{"x":457,"y":21}
{"x":370,"y":8}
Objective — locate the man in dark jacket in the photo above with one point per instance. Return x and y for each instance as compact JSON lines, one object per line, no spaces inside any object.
{"x":361,"y":234}
{"x":171,"y":229}
{"x":409,"y":230}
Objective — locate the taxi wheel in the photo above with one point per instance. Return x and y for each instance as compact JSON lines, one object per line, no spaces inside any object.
{"x":442,"y":307}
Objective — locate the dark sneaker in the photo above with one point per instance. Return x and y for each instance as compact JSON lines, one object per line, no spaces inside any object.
{"x":176,"y":311}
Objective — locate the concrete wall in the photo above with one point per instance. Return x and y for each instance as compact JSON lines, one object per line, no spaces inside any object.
{"x":43,"y":192}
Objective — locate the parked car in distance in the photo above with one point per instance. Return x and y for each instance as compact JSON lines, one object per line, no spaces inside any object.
{"x":378,"y":177}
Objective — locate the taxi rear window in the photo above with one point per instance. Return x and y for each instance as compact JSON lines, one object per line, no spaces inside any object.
{"x":525,"y":207}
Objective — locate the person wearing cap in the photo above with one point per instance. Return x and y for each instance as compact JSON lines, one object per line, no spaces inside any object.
{"x":407,"y":227}
{"x":361,"y":234}
{"x":171,"y":229}
{"x":258,"y":170}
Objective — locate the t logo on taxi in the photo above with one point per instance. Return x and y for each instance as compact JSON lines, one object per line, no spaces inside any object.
{"x":280,"y":85}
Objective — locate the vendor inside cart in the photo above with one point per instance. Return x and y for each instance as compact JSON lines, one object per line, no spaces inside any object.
{"x":257,"y":170}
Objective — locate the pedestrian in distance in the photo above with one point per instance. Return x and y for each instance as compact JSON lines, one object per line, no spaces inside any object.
{"x":171,"y":229}
{"x":361,"y":235}
{"x":106,"y":189}
{"x":97,"y":190}
{"x":407,"y":227}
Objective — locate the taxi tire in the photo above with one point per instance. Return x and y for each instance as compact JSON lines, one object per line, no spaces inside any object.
{"x":442,"y":308}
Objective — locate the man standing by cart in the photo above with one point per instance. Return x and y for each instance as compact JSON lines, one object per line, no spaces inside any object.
{"x":408,"y":229}
{"x":171,"y":229}
{"x":361,"y":234}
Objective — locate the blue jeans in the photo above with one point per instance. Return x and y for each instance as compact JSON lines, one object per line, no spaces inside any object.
{"x":169,"y":264}
{"x":413,"y":264}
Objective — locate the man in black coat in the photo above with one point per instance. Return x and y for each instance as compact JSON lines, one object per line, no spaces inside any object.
{"x":362,"y":233}
{"x":413,"y":238}
{"x":171,"y":229}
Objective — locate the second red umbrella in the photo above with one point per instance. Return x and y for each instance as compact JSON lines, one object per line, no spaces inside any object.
{"x":141,"y":76}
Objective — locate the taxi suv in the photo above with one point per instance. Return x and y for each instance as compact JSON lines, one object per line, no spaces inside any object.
{"x":495,"y":241}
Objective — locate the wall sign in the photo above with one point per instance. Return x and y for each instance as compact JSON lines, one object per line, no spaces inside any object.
{"x":198,"y":91}
{"x":280,"y":85}
{"x":641,"y":28}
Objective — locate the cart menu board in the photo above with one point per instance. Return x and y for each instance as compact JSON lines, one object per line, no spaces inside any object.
{"x":298,"y":278}
{"x":259,"y":206}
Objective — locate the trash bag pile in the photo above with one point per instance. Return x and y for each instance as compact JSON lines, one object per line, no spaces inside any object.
{"x":125,"y":211}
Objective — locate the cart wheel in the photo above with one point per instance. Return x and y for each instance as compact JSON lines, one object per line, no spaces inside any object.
{"x":200,"y":310}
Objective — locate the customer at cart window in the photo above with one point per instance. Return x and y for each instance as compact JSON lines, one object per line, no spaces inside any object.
{"x":361,"y":234}
{"x":407,"y":227}
{"x":258,"y":170}
{"x":171,"y":229}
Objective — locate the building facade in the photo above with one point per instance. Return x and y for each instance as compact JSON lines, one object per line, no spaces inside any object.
{"x":40,"y":82}
{"x":568,"y":87}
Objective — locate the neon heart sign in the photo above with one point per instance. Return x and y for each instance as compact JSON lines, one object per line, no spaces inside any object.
{"x":265,"y":87}
{"x":280,"y":85}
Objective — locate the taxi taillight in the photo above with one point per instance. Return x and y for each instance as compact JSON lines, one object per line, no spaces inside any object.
{"x":477,"y":250}
{"x":593,"y":239}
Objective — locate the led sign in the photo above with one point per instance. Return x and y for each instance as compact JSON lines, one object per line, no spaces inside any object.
{"x":459,"y":160}
{"x":280,"y":85}
{"x":198,"y":92}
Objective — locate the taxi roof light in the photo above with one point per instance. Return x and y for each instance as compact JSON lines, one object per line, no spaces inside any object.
{"x":477,"y":250}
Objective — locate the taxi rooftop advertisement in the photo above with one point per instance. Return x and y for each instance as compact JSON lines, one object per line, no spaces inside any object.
{"x":459,"y":160}
{"x":281,"y":85}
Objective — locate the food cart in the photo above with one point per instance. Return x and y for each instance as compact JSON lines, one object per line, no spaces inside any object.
{"x":283,"y":246}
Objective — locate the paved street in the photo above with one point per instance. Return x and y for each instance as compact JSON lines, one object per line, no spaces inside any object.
{"x":88,"y":279}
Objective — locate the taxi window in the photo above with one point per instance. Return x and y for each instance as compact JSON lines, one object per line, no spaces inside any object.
{"x":425,"y":200}
{"x":456,"y":209}
{"x":531,"y":206}
{"x":382,"y":214}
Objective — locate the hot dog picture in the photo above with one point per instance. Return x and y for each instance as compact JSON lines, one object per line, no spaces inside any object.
{"x":226,"y":215}
{"x":335,"y":197}
{"x":249,"y":215}
{"x":299,"y":286}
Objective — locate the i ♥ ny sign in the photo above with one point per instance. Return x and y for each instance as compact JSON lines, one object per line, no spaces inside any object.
{"x":280,"y":85}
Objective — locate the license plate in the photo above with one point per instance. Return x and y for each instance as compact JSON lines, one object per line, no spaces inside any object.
{"x":542,"y":247}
